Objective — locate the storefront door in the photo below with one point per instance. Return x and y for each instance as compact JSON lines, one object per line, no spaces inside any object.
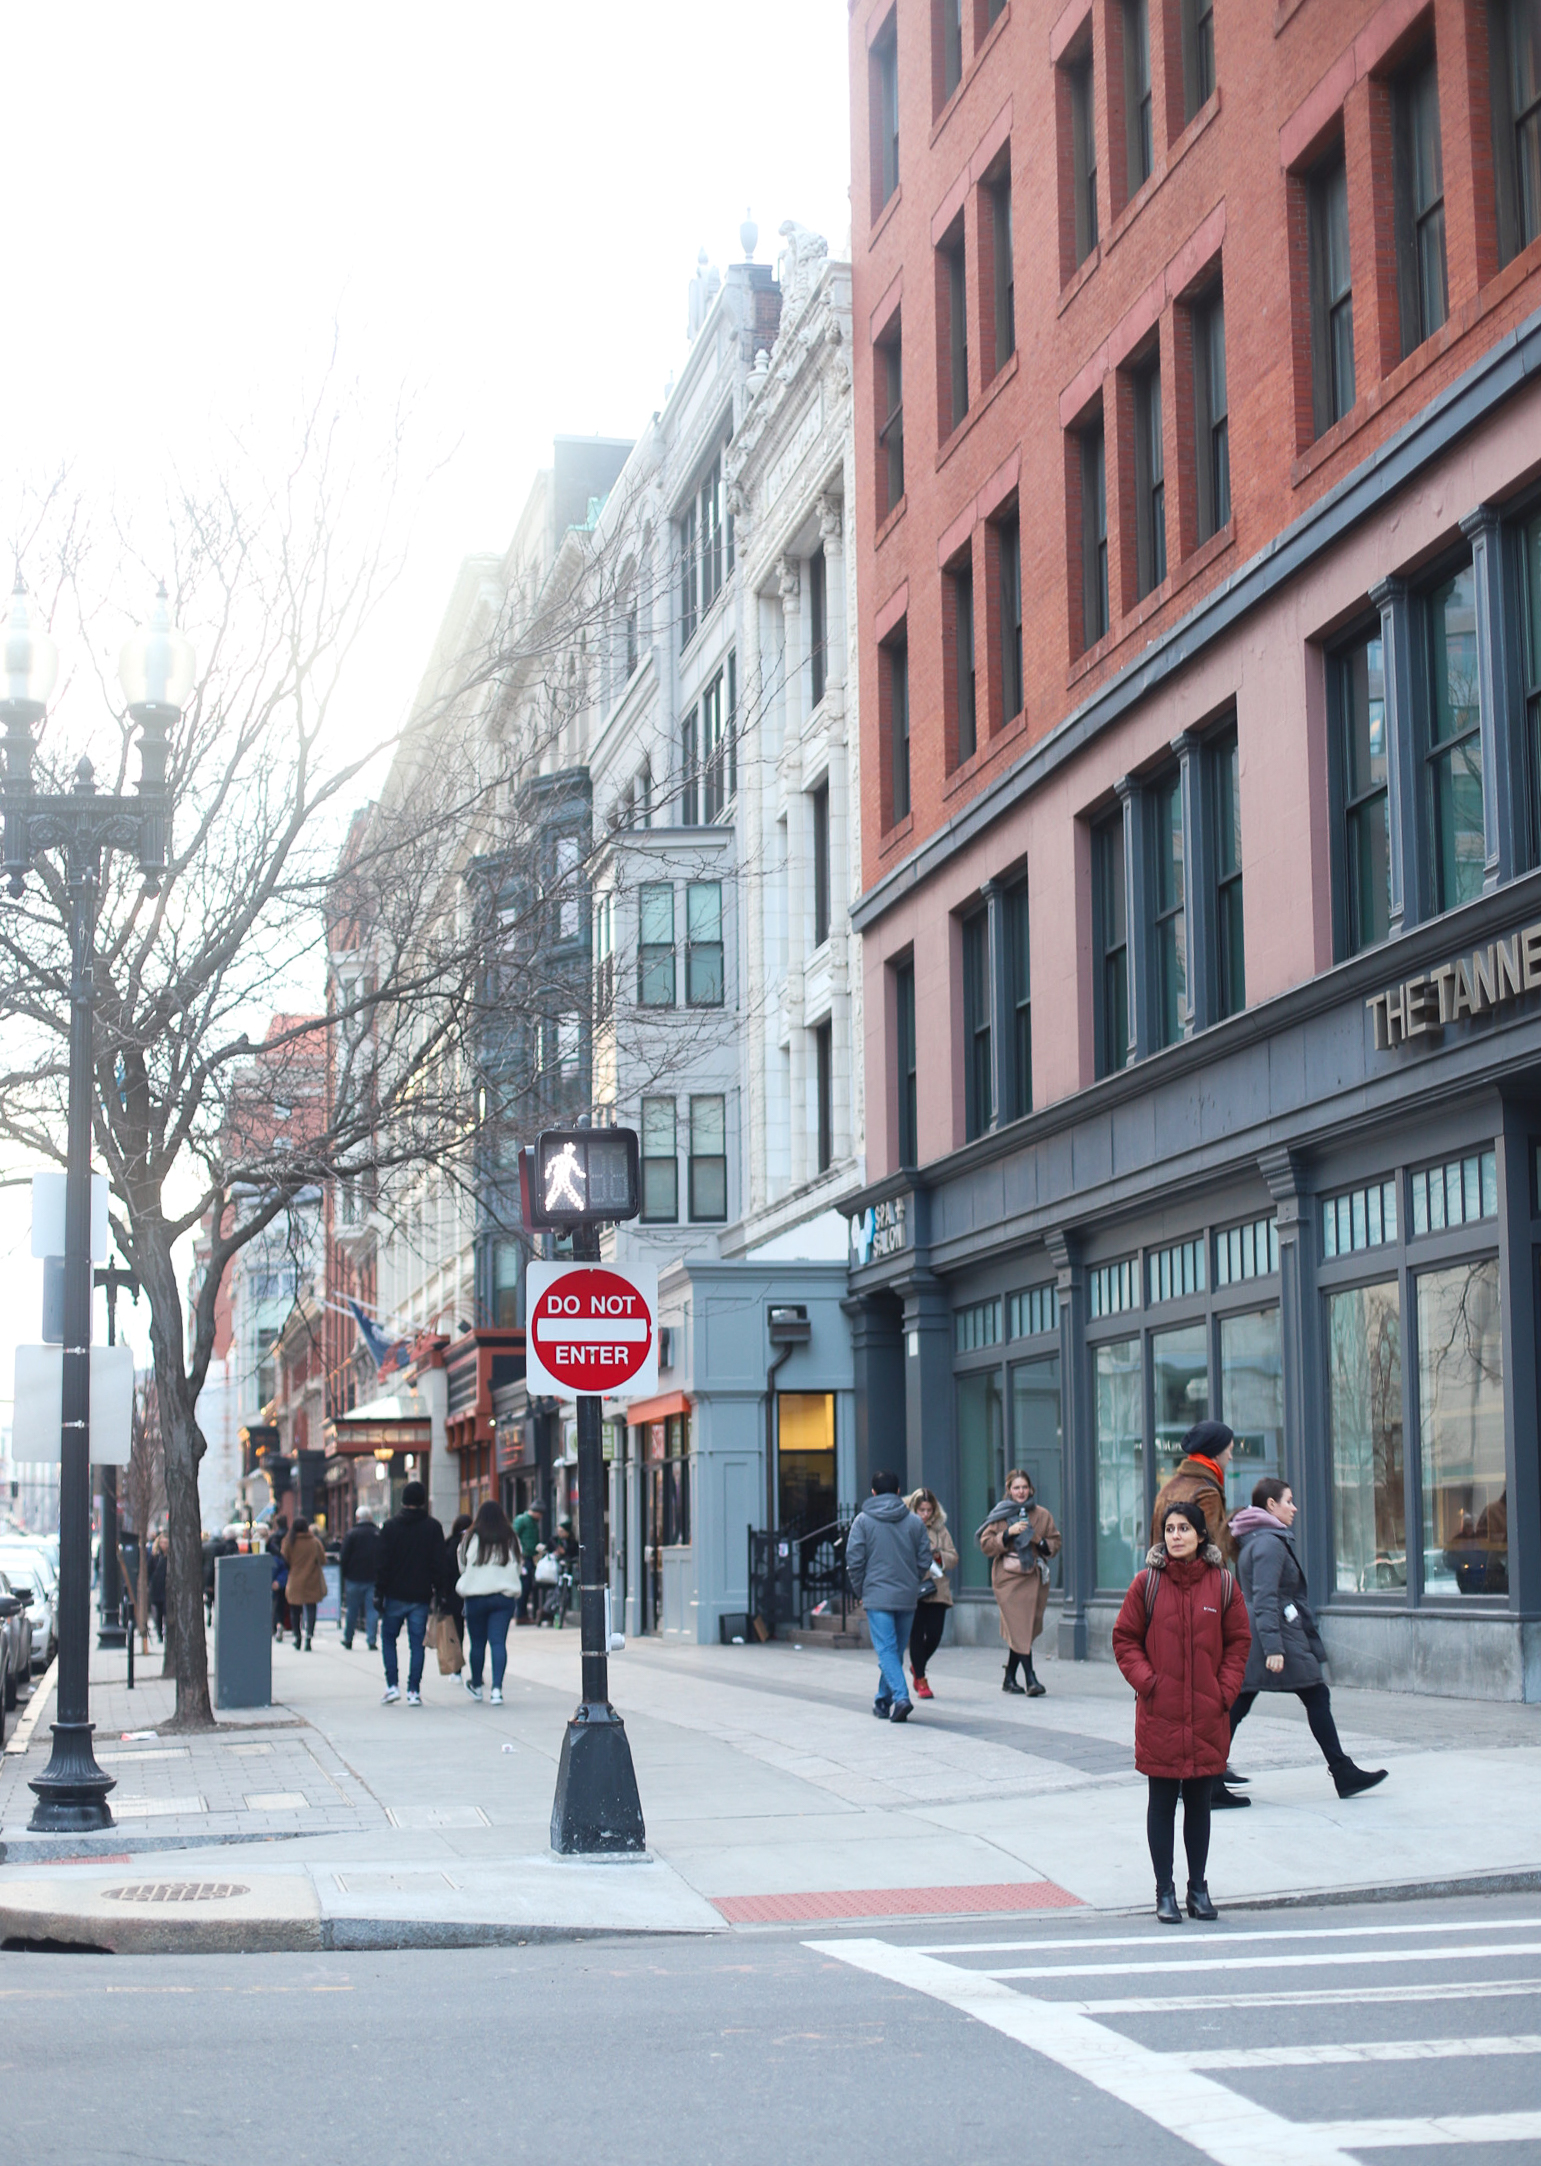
{"x":806,"y":1496}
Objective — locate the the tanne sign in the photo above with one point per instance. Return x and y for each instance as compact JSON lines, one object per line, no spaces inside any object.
{"x":591,"y":1329}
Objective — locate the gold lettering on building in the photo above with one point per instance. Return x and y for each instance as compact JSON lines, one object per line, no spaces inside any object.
{"x":1487,"y":979}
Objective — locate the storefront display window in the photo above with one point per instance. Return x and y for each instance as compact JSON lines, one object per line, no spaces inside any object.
{"x":1461,"y":1431}
{"x":1036,"y":1442}
{"x":1364,"y":1333}
{"x":1252,"y":1398}
{"x":981,"y":1467}
{"x":805,"y":1459}
{"x":1180,"y":1373}
{"x":1121,"y":1521}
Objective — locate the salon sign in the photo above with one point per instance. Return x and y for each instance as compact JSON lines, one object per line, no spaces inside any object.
{"x":1476,"y":984}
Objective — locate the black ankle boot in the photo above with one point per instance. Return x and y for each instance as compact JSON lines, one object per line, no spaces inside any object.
{"x":1035,"y":1691}
{"x":1167,"y":1912}
{"x":1009,"y":1680}
{"x":1199,"y":1905}
{"x":1351,"y":1780}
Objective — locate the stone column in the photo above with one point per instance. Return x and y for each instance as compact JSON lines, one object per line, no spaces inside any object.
{"x":878,"y":1361}
{"x":1136,"y":917}
{"x":1202,"y":1005}
{"x":1407,"y":885}
{"x":931,"y":1456}
{"x":844,"y":1052}
{"x":790,"y":580}
{"x":1503,"y":754}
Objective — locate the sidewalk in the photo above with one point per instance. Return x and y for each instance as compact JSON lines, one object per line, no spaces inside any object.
{"x":770,"y":1795}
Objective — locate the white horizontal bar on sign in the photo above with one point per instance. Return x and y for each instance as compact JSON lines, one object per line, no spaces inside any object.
{"x":591,"y":1331}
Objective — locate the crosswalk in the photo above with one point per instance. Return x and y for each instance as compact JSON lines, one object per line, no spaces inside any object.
{"x":1287,"y":2053}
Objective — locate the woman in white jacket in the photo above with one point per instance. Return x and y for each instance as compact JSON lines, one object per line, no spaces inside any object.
{"x":490,"y":1586}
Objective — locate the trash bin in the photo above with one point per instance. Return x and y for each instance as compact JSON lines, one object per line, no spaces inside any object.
{"x":243,"y":1631}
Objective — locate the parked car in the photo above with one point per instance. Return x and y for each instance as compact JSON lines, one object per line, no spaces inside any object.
{"x":29,"y":1568}
{"x":15,"y":1642}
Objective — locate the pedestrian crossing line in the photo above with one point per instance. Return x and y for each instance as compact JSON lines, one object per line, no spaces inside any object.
{"x":1218,"y":2123}
{"x":1369,"y":2049}
{"x":1158,"y":2004}
{"x":1339,"y":2137}
{"x":1183,"y":1966}
{"x":1306,"y":1932}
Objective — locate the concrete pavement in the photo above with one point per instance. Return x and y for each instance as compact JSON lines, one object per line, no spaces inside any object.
{"x":770,"y":1794}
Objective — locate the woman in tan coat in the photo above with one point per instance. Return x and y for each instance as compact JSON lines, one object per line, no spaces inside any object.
{"x":931,"y":1615}
{"x":305,"y":1555}
{"x":1019,"y":1538}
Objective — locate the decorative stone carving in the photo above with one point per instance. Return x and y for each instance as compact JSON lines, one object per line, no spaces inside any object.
{"x":831,"y":520}
{"x":799,"y":262}
{"x":789,"y":580}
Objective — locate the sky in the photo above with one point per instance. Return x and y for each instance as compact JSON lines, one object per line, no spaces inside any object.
{"x":492,"y":209}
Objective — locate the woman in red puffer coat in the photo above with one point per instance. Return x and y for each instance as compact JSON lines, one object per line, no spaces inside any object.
{"x":1182,"y":1640}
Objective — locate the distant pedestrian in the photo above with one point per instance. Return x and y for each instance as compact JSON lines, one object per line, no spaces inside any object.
{"x":887,"y":1555}
{"x":1019,"y":1538}
{"x":1199,"y":1478}
{"x":490,"y":1583}
{"x":527,"y":1529}
{"x":1181,"y":1640}
{"x":305,"y":1554}
{"x":931,"y":1615}
{"x":408,"y":1574}
{"x":1287,"y":1651}
{"x":360,"y":1559}
{"x":210,"y":1552}
{"x":275,"y":1549}
{"x":160,"y":1560}
{"x":449,"y":1601}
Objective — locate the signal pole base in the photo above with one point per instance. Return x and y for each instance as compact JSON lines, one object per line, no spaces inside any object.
{"x":596,"y":1808}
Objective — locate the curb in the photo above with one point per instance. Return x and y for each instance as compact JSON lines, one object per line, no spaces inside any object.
{"x":42,"y":1692}
{"x":114,"y":1844}
{"x":1522,"y":1880}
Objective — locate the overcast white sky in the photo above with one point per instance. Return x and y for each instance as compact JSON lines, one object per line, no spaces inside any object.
{"x":497,"y":205}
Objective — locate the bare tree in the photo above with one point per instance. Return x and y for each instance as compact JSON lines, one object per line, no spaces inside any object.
{"x":144,"y":1492}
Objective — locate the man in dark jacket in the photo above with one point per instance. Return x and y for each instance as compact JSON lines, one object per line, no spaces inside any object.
{"x":1200,"y":1479}
{"x":887,"y":1558}
{"x":1287,"y":1651}
{"x":360,"y":1562}
{"x":409,"y":1572}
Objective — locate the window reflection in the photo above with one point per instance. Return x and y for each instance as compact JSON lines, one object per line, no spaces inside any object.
{"x":1180,"y":1367}
{"x":1036,"y":1436}
{"x":1461,"y":1431}
{"x":1121,"y":1525}
{"x":1364,"y":1330}
{"x":981,"y":1467}
{"x":1252,"y":1398}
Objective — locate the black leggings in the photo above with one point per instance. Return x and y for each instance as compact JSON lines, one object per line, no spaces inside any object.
{"x":1317,"y":1701}
{"x":926,"y":1633}
{"x":1161,"y":1824}
{"x":304,"y":1615}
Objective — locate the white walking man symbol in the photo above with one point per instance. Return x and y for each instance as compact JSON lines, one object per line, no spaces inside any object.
{"x":563,"y":1174}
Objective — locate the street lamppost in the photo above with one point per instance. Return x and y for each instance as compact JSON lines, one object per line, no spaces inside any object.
{"x":156,"y":672}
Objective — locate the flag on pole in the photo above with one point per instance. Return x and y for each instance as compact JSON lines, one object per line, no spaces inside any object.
{"x":385,"y":1353}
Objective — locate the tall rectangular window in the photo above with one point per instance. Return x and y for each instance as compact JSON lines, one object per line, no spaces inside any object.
{"x":1455,"y":749}
{"x":1009,"y":545}
{"x":961,"y":594}
{"x":703,"y":944}
{"x":1004,"y":267}
{"x":953,"y":286}
{"x":1094,"y":534}
{"x":660,"y":1162}
{"x":890,"y":365}
{"x":690,"y":769}
{"x":1123,"y":1517}
{"x":818,"y":625}
{"x":708,"y":1158}
{"x":1420,"y":203}
{"x":1112,"y":931}
{"x":709,"y":520}
{"x":1361,"y":722}
{"x":1149,"y":480}
{"x":1138,"y":111}
{"x":1530,"y":555}
{"x":979,"y":1087}
{"x":883,"y":105}
{"x":1019,"y":980}
{"x":1332,"y":293}
{"x":1171,"y":917}
{"x":1225,"y":768}
{"x":1198,"y":29}
{"x":1514,"y":61}
{"x":1461,"y":1430}
{"x":948,"y":21}
{"x":904,"y":1063}
{"x":690,"y":612}
{"x":820,"y":808}
{"x":896,"y":671}
{"x":714,"y":753}
{"x":1369,"y":1500}
{"x":1083,"y":147}
{"x":1212,"y":437}
{"x":824,"y":1087}
{"x":655,"y":945}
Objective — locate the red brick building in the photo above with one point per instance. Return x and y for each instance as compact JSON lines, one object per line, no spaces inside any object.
{"x":1199,"y":570}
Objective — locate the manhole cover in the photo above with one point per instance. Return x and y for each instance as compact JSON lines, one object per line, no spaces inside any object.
{"x":176,"y":1891}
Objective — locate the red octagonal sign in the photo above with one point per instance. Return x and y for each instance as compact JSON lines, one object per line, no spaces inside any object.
{"x":590,"y":1329}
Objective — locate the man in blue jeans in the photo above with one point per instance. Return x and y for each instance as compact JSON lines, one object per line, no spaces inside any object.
{"x":887,"y":1560}
{"x":360,"y":1562}
{"x":409,"y":1574}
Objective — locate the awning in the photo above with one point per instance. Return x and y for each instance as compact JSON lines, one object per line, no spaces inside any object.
{"x":398,"y":1422}
{"x":642,"y":1411}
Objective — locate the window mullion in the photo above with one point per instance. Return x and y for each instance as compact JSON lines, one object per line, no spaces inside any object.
{"x":1138,"y":899}
{"x":1404,"y":794}
{"x":1200,"y":884}
{"x":1500,"y":711}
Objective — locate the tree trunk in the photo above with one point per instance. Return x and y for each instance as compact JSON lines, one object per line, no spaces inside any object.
{"x":142,"y":1595}
{"x":182,"y":1446}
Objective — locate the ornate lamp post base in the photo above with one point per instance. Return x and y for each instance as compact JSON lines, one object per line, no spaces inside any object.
{"x":72,"y":1789}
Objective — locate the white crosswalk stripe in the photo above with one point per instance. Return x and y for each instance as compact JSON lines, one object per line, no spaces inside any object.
{"x":1179,"y":2089}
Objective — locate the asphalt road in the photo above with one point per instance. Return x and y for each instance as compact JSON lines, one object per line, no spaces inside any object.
{"x":1295,"y":2038}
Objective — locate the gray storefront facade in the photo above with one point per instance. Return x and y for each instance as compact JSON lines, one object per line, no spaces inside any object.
{"x":1317,"y":1221}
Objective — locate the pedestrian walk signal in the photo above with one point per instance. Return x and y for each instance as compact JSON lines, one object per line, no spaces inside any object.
{"x":582,"y":1177}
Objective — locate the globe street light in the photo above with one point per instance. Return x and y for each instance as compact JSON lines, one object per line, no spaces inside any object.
{"x":156,"y":671}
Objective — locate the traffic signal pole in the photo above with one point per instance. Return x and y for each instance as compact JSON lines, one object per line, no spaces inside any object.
{"x":596,"y":1807}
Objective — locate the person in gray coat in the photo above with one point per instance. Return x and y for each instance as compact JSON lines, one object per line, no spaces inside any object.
{"x":887,"y":1559}
{"x":1287,"y":1650}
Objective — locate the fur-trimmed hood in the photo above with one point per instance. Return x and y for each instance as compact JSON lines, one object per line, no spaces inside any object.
{"x":1157,"y":1557}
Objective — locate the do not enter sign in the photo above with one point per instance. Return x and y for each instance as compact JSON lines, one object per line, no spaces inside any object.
{"x":591,"y":1329}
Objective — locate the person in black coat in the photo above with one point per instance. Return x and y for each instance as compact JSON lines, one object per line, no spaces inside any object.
{"x":1287,"y":1650}
{"x":359,"y":1564}
{"x":408,"y":1575}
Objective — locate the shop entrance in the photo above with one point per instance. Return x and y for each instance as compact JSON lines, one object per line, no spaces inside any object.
{"x":665,"y":1510}
{"x":806,"y":1494}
